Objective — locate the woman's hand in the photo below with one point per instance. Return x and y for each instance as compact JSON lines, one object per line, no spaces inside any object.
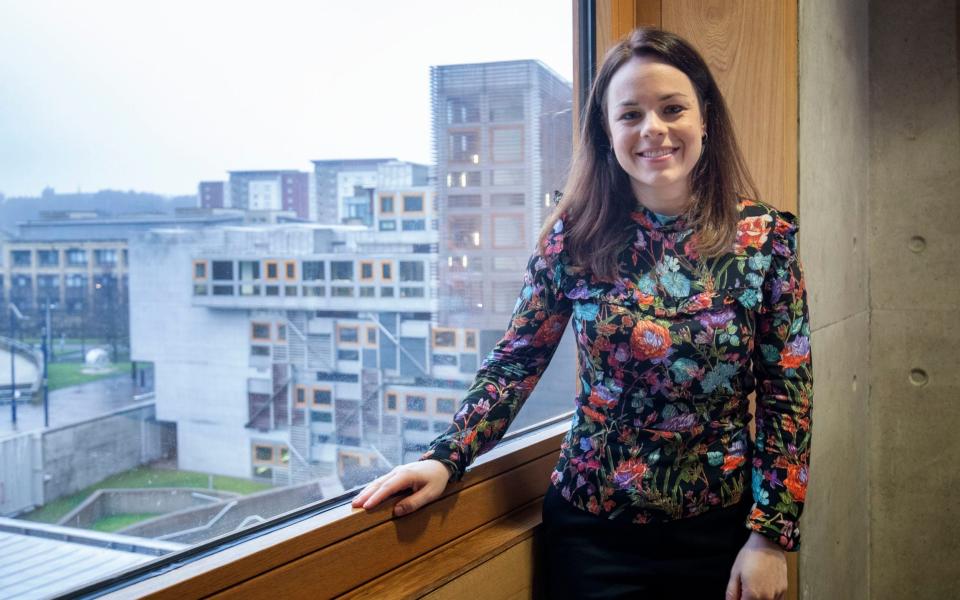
{"x":760,"y":571}
{"x":427,"y":479}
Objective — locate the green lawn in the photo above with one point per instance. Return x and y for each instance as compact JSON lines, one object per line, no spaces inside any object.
{"x":61,"y":375}
{"x":144,"y":477}
{"x":116,"y":522}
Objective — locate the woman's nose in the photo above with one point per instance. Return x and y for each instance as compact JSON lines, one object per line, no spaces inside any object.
{"x":652,"y":126}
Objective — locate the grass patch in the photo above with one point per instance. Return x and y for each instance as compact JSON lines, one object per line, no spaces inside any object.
{"x":61,"y":375}
{"x":117,"y":522}
{"x":144,"y":477}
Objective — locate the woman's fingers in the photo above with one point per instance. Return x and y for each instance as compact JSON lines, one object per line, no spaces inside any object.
{"x":424,"y":494}
{"x":393,"y":484}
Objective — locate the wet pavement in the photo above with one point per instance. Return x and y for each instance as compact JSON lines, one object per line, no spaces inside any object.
{"x":71,"y":404}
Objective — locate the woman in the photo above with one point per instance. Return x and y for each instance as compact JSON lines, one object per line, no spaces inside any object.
{"x":686,"y":295}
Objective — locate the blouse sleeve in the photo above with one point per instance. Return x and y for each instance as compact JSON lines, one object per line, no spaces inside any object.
{"x":509,"y":373}
{"x":783,"y":368}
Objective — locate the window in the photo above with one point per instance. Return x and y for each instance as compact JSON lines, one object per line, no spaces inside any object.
{"x":411,"y":292}
{"x":366,"y":270}
{"x":260,"y":331}
{"x":48,"y":258}
{"x":507,"y":231}
{"x":464,"y":231}
{"x":506,"y":144}
{"x":249,"y":270}
{"x":319,"y":416}
{"x":348,"y":334}
{"x":463,"y":179}
{"x":414,"y":225}
{"x":388,"y":225}
{"x":446,"y":405}
{"x":368,"y":291}
{"x":413,"y":204}
{"x":416,"y":425}
{"x":502,"y":177}
{"x":386,"y":204}
{"x":464,"y":201}
{"x":300,"y":395}
{"x":507,"y":200}
{"x":416,"y":403}
{"x":272,"y":269}
{"x":445,"y":360}
{"x":391,"y":401}
{"x":222,"y":270}
{"x":464,"y":146}
{"x":440,"y":426}
{"x":223,"y":290}
{"x":386,"y":292}
{"x":260,"y":350}
{"x":263,"y":453}
{"x":341,"y":270}
{"x":444,"y":338}
{"x":371,"y":335}
{"x":322,"y":397}
{"x":386,"y":271}
{"x":105,"y":256}
{"x":348,"y":355}
{"x":313,"y":270}
{"x":76,"y":257}
{"x":506,"y":107}
{"x":463,"y":110}
{"x":470,"y":339}
{"x":411,"y":270}
{"x":290,"y":269}
{"x":20,"y":258}
{"x":281,"y":332}
{"x":199,"y":269}
{"x":341,"y":292}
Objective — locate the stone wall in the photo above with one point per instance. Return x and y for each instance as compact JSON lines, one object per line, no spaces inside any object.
{"x":82,"y":454}
{"x":834,"y":176}
{"x":914,"y":220}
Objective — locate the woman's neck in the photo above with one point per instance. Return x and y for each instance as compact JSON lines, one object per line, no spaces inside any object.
{"x":664,"y":202}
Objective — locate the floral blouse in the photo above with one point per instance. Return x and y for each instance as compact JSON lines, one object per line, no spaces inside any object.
{"x":667,"y":357}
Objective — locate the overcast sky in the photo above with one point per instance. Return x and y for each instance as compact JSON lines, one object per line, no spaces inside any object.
{"x":156,"y":96}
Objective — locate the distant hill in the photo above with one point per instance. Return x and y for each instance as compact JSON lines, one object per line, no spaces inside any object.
{"x":107,"y":202}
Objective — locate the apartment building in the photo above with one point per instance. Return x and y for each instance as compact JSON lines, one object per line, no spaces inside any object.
{"x":292,"y":352}
{"x":262,"y":191}
{"x":502,"y":139}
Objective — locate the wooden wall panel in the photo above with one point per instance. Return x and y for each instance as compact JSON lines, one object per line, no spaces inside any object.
{"x":751,"y":48}
{"x":508,"y":576}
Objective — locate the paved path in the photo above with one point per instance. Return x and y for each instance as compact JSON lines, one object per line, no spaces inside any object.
{"x":71,"y":404}
{"x":26,"y":371}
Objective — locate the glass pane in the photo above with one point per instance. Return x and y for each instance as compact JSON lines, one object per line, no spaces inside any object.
{"x":297,"y":291}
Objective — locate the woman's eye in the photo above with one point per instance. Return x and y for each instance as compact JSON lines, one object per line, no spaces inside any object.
{"x":630,"y":115}
{"x":674,"y":109}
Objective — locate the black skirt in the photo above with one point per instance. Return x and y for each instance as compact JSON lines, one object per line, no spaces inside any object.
{"x":586,"y":556}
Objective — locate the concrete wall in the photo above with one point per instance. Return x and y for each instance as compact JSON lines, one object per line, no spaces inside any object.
{"x":834,"y":176}
{"x":82,"y":454}
{"x":914,"y":278}
{"x":110,"y":502}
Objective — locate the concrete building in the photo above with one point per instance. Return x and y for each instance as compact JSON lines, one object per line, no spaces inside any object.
{"x":211,"y":194}
{"x":292,"y":352}
{"x":79,"y":260}
{"x":344,"y":189}
{"x":266,"y":191}
{"x":502,"y":139}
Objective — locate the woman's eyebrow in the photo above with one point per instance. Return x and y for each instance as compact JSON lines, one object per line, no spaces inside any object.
{"x":663,"y":98}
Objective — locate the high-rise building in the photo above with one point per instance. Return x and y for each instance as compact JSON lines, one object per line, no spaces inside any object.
{"x":344,"y":189}
{"x":502,"y":139}
{"x":271,"y":191}
{"x":211,"y":194}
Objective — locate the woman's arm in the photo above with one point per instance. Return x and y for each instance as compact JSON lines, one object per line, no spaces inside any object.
{"x":783,"y":369}
{"x":506,"y":378}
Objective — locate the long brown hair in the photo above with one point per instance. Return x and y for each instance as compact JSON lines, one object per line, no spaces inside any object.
{"x":598,"y":198}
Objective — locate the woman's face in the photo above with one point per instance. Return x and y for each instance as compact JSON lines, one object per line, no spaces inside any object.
{"x":656,"y":129}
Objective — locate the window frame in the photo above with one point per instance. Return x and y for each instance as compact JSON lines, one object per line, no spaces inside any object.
{"x":515,"y":472}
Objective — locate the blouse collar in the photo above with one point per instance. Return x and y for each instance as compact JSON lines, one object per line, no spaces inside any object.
{"x":656,"y":222}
